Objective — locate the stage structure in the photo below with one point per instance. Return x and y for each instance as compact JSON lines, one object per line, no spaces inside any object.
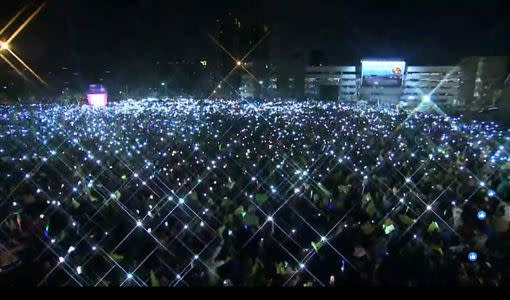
{"x":97,"y":95}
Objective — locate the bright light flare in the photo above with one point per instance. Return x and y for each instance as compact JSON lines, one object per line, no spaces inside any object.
{"x":4,"y":45}
{"x":13,"y":67}
{"x":27,"y":21}
{"x":27,"y":67}
{"x":13,"y":19}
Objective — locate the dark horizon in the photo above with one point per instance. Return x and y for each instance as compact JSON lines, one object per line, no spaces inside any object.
{"x":131,"y":38}
{"x":345,"y":31}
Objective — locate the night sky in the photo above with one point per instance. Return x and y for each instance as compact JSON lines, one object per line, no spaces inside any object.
{"x":99,"y":34}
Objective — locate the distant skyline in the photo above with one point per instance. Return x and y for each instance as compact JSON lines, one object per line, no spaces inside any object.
{"x":94,"y":35}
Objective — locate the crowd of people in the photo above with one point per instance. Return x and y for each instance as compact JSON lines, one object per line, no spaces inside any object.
{"x":230,"y":193}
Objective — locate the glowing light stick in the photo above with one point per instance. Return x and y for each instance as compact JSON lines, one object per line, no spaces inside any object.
{"x":46,"y":229}
{"x":18,"y":221}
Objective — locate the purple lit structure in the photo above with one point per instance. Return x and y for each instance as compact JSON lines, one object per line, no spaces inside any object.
{"x":97,"y":95}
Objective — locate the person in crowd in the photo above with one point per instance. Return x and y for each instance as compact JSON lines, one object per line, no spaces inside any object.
{"x":229,"y":193}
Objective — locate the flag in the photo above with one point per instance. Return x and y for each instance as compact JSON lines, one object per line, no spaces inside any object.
{"x":154,"y":280}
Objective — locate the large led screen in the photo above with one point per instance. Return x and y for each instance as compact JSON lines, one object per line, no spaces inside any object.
{"x":382,"y":73}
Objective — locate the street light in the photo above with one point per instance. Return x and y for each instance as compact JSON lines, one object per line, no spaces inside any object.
{"x":4,"y":45}
{"x":166,"y":89}
{"x":426,"y":98}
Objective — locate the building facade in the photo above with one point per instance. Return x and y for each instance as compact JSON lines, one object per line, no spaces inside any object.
{"x":237,"y":38}
{"x":475,"y":80}
{"x":484,"y":78}
{"x":440,"y":83}
{"x":332,"y":82}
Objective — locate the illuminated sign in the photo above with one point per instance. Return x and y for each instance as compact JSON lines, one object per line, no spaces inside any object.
{"x":97,"y":99}
{"x":97,"y":95}
{"x":382,"y":73}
